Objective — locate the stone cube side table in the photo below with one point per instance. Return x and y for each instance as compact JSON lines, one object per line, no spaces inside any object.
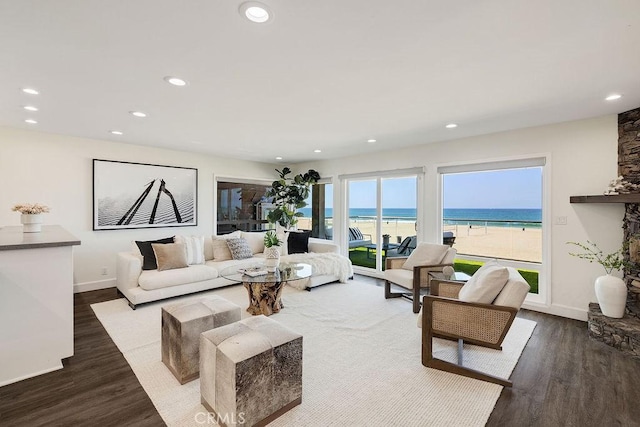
{"x":250,"y":371}
{"x":182,"y":325}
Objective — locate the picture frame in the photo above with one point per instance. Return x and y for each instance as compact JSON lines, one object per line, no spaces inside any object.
{"x":129,"y":195}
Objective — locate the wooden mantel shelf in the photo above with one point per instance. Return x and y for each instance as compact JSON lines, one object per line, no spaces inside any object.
{"x":617,"y":198}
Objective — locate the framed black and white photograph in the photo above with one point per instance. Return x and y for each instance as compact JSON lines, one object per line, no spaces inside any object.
{"x":136,"y":195}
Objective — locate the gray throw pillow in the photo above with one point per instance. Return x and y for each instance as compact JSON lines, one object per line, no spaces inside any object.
{"x":239,"y":248}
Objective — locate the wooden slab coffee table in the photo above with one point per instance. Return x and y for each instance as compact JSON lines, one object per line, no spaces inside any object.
{"x":265,"y":290}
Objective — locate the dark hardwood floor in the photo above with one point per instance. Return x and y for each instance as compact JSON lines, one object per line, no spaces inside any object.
{"x":562,"y":379}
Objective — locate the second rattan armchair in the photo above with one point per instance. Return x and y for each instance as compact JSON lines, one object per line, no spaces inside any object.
{"x":445,"y":316}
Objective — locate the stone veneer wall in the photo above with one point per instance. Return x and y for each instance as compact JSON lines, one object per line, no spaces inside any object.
{"x":624,"y":334}
{"x":629,"y":168}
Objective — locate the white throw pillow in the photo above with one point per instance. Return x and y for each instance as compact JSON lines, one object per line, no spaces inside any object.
{"x":255,"y":240}
{"x":426,"y":254}
{"x":485,"y":285}
{"x":195,"y":248}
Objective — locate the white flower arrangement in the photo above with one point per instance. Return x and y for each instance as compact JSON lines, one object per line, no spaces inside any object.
{"x":30,"y":208}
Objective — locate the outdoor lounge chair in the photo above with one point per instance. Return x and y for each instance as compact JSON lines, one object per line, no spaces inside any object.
{"x":406,"y":247}
{"x":357,"y":239}
{"x":448,"y":238}
{"x":481,"y":314}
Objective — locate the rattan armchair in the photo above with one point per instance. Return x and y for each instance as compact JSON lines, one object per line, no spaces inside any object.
{"x":444,"y":316}
{"x":415,"y":279}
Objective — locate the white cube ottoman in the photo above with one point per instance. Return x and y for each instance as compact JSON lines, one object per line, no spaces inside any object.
{"x":250,"y":371}
{"x":182,"y":324}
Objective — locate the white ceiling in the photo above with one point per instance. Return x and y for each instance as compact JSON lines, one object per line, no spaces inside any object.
{"x":325,"y":74}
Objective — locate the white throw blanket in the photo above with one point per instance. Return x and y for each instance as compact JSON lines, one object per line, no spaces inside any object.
{"x":324,"y":263}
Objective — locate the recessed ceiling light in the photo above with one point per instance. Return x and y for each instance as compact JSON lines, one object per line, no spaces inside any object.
{"x":371,"y":141}
{"x":278,"y":158}
{"x":31,"y":121}
{"x":138,"y":113}
{"x":175,"y":81}
{"x":30,"y":108}
{"x":116,"y":132}
{"x":317,"y":151}
{"x":30,"y":91}
{"x":613,"y":97}
{"x":451,"y":126}
{"x":255,"y":12}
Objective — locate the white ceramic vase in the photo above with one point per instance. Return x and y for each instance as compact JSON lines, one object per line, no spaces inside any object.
{"x":272,"y":256}
{"x":612,"y":295}
{"x":31,"y":223}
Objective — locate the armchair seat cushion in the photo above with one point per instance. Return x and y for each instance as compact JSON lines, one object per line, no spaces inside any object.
{"x":400,"y":277}
{"x":485,"y":285}
{"x":426,"y":254}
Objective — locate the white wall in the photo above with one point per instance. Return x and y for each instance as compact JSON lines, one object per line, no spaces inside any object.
{"x":583,"y":158}
{"x":57,"y":171}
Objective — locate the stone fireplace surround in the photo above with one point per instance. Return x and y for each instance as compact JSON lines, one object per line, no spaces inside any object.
{"x":624,"y":334}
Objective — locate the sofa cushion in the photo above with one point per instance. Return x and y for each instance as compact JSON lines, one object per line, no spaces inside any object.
{"x":486,"y":283}
{"x":170,"y":255}
{"x":426,"y":254}
{"x":298,"y":242}
{"x":149,"y":257}
{"x":255,"y":240}
{"x":239,"y":248}
{"x":154,"y":279}
{"x":220,"y":249}
{"x":194,"y":246}
{"x":207,"y":248}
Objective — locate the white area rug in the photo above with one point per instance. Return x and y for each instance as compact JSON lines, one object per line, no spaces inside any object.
{"x":361,"y":361}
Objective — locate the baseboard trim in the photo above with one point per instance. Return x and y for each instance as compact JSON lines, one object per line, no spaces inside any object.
{"x":94,"y":286}
{"x":558,"y":310}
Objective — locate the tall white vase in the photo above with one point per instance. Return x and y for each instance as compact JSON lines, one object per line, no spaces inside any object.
{"x":31,"y":223}
{"x":612,"y":295}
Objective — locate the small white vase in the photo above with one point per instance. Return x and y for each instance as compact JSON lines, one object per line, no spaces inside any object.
{"x":272,"y":256}
{"x":612,"y":295}
{"x":31,"y":223}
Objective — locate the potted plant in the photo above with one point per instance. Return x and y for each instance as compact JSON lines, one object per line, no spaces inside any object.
{"x":611,"y":291}
{"x":31,"y":217}
{"x":289,"y":195}
{"x":272,"y":249}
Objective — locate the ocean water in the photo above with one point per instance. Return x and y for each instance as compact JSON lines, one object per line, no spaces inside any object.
{"x":493,"y":217}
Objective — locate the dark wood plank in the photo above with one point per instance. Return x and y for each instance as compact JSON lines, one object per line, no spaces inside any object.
{"x":614,"y":198}
{"x":562,"y":379}
{"x":96,"y":386}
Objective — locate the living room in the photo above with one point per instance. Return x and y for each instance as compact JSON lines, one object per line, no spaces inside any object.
{"x":574,"y":129}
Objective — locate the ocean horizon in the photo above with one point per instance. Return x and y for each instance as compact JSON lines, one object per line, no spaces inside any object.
{"x":493,"y":217}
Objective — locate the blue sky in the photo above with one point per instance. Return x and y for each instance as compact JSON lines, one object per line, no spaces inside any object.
{"x":509,"y":188}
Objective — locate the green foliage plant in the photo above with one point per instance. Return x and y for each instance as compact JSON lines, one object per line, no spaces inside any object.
{"x":270,"y":239}
{"x":289,"y":195}
{"x":591,"y":253}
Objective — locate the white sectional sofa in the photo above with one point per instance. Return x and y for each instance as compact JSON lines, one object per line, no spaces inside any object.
{"x":140,"y":286}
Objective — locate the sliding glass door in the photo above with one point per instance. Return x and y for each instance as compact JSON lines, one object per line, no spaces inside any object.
{"x":382,"y":215}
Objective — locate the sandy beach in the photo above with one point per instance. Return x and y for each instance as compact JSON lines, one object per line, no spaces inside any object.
{"x":500,"y":242}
